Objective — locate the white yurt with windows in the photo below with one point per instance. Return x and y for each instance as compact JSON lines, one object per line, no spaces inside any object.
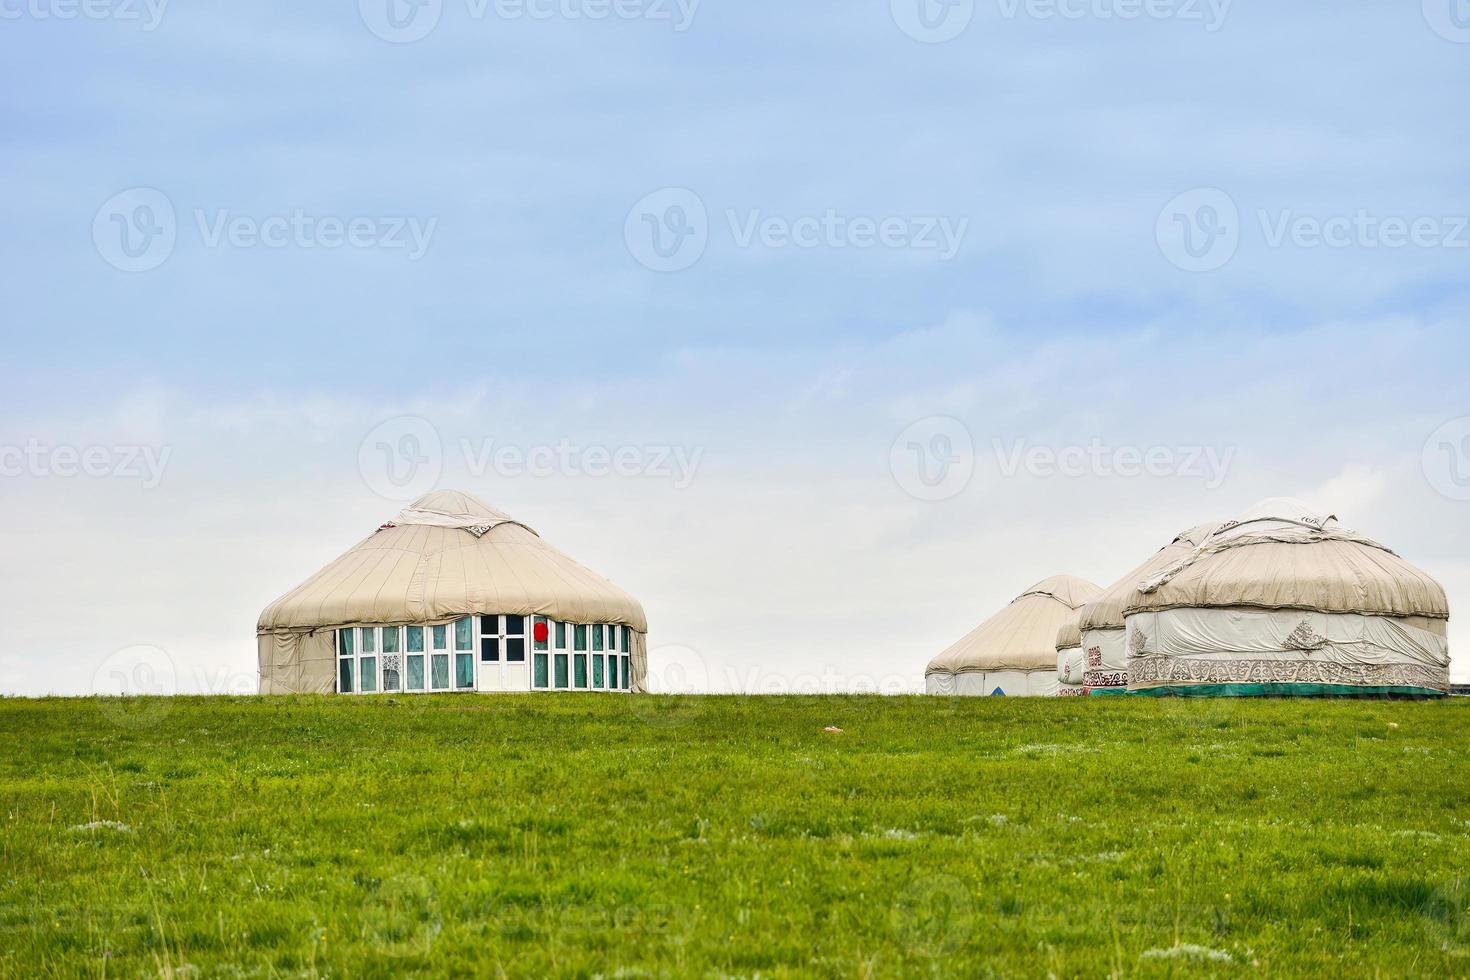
{"x":1013,"y":652}
{"x":1101,"y":621}
{"x":452,"y":595}
{"x":1071,"y":663}
{"x":1286,"y":601}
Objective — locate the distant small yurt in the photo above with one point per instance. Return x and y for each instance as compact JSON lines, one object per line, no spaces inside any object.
{"x":1285,"y":601}
{"x":1071,"y":663}
{"x":452,"y":595}
{"x":1101,"y":621}
{"x":1013,"y":652}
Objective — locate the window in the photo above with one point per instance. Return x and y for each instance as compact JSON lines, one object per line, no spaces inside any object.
{"x":627,"y":674}
{"x":344,"y":675}
{"x":369,"y":640}
{"x":598,"y":672}
{"x":464,"y":653}
{"x":581,"y":637}
{"x":414,"y":642}
{"x":515,"y":639}
{"x":392,"y":657}
{"x":612,"y":673}
{"x":626,"y":631}
{"x":541,"y":658}
{"x":559,"y":659}
{"x":368,"y":675}
{"x":597,"y":639}
{"x":439,"y":658}
{"x":489,"y":639}
{"x":579,"y":671}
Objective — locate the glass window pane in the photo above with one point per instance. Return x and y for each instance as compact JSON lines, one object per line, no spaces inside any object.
{"x":489,"y":625}
{"x":627,"y":675}
{"x":390,"y":639}
{"x":540,"y":633}
{"x":581,"y":637}
{"x":612,"y":673}
{"x":415,"y":639}
{"x":390,"y":678}
{"x":464,"y":670}
{"x":561,"y":636}
{"x":597,"y":674}
{"x":597,"y":637}
{"x":416,"y":673}
{"x":440,"y":668}
{"x":627,"y":632}
{"x":538,"y":671}
{"x":462,"y":639}
{"x":344,"y":680}
{"x":368,"y":677}
{"x":489,"y":649}
{"x":515,"y":649}
{"x":561,"y":671}
{"x":515,"y":625}
{"x":579,"y":670}
{"x":344,"y":643}
{"x":369,"y":640}
{"x":441,"y":637}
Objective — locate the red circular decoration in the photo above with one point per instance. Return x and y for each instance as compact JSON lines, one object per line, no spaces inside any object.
{"x":540,"y":632}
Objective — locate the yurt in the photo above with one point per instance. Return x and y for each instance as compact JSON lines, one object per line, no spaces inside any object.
{"x":1071,"y":664}
{"x":1101,"y":621}
{"x":1013,"y":652}
{"x":1286,"y":601}
{"x":452,"y":595}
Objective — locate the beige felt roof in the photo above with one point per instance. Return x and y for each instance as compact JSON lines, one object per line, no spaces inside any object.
{"x":1023,"y":635}
{"x":1070,"y":635}
{"x":1106,"y":611}
{"x":1295,"y":561}
{"x":449,"y":555}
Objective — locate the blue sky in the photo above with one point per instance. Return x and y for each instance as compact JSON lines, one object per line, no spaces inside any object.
{"x":1071,"y":147}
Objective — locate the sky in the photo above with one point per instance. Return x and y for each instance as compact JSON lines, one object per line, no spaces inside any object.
{"x":824,"y":329}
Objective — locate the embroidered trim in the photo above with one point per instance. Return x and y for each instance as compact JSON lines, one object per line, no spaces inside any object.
{"x":1166,"y":670}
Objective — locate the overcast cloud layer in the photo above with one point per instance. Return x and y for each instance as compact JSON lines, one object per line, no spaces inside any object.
{"x":822,"y":335}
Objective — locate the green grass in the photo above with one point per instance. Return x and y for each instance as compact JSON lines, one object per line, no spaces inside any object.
{"x":587,"y":835}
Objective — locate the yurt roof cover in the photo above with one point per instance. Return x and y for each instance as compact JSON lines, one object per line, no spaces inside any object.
{"x":1283,"y":555}
{"x":1106,"y":611}
{"x":449,"y":555}
{"x":1023,"y":635}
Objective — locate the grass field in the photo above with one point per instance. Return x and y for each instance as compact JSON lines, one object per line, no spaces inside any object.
{"x":594,"y":835}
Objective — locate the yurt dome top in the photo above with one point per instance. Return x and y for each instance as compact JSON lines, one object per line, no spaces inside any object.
{"x":447,"y":555}
{"x":1282,"y":554}
{"x":1106,"y":611}
{"x":1022,"y":636}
